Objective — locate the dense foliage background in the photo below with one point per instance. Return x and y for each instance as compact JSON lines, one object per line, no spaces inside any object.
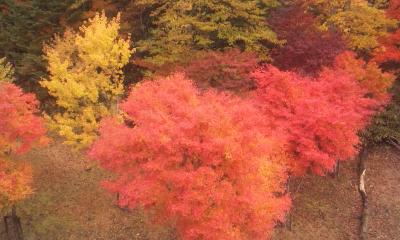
{"x":202,"y":110}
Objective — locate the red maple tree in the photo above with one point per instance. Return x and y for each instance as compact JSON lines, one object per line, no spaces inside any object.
{"x":20,"y":130}
{"x":307,"y":48}
{"x":321,"y":116}
{"x":199,"y":159}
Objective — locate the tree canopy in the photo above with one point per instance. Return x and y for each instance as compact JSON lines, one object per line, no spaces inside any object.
{"x":177,"y":28}
{"x":307,"y":48}
{"x":200,"y":160}
{"x":20,"y":130}
{"x":86,"y":77}
{"x":317,"y":137}
{"x":361,"y":24}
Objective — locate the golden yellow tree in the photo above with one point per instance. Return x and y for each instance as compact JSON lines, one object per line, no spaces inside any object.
{"x":85,"y":77}
{"x":361,"y":23}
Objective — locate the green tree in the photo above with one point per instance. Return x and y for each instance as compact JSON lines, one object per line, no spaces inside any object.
{"x":86,"y":77}
{"x":175,"y":28}
{"x":25,"y":26}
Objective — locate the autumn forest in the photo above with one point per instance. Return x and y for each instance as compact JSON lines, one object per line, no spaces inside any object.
{"x":199,"y":119}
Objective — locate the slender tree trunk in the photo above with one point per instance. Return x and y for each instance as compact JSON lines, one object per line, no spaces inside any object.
{"x":125,"y":209}
{"x":337,"y":169}
{"x":335,"y":173}
{"x":364,"y":211}
{"x":13,"y":226}
{"x":288,"y":222}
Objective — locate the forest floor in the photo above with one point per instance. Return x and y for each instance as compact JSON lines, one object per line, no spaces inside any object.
{"x":69,"y":203}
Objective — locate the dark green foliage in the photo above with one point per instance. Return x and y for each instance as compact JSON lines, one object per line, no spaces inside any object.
{"x":25,"y":26}
{"x":386,"y":126}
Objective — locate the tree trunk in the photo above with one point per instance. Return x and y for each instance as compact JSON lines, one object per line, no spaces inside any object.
{"x":13,"y":226}
{"x":288,"y":222}
{"x":125,"y":209}
{"x":335,"y":172}
{"x":364,"y":211}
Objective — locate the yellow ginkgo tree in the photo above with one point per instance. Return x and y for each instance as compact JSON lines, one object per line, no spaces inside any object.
{"x":360,"y":22}
{"x":85,"y":77}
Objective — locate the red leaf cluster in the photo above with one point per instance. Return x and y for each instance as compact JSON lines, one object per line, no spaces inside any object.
{"x":20,"y":130}
{"x":389,"y":52}
{"x":200,"y":159}
{"x":307,"y":48}
{"x":229,"y":70}
{"x":368,"y":75}
{"x":320,"y":115}
{"x":394,"y":9}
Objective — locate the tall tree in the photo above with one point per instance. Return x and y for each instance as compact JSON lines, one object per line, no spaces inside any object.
{"x":177,"y":28}
{"x":86,"y":77}
{"x":199,"y":160}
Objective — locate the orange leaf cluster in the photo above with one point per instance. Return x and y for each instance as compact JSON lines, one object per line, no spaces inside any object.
{"x":369,"y":76}
{"x":20,"y":130}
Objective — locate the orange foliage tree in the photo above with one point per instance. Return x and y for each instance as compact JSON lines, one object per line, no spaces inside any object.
{"x":20,"y":130}
{"x":368,"y":74}
{"x":199,"y":159}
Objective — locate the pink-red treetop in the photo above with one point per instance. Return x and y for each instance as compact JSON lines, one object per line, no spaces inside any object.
{"x":321,"y":116}
{"x":200,"y":160}
{"x":20,"y":127}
